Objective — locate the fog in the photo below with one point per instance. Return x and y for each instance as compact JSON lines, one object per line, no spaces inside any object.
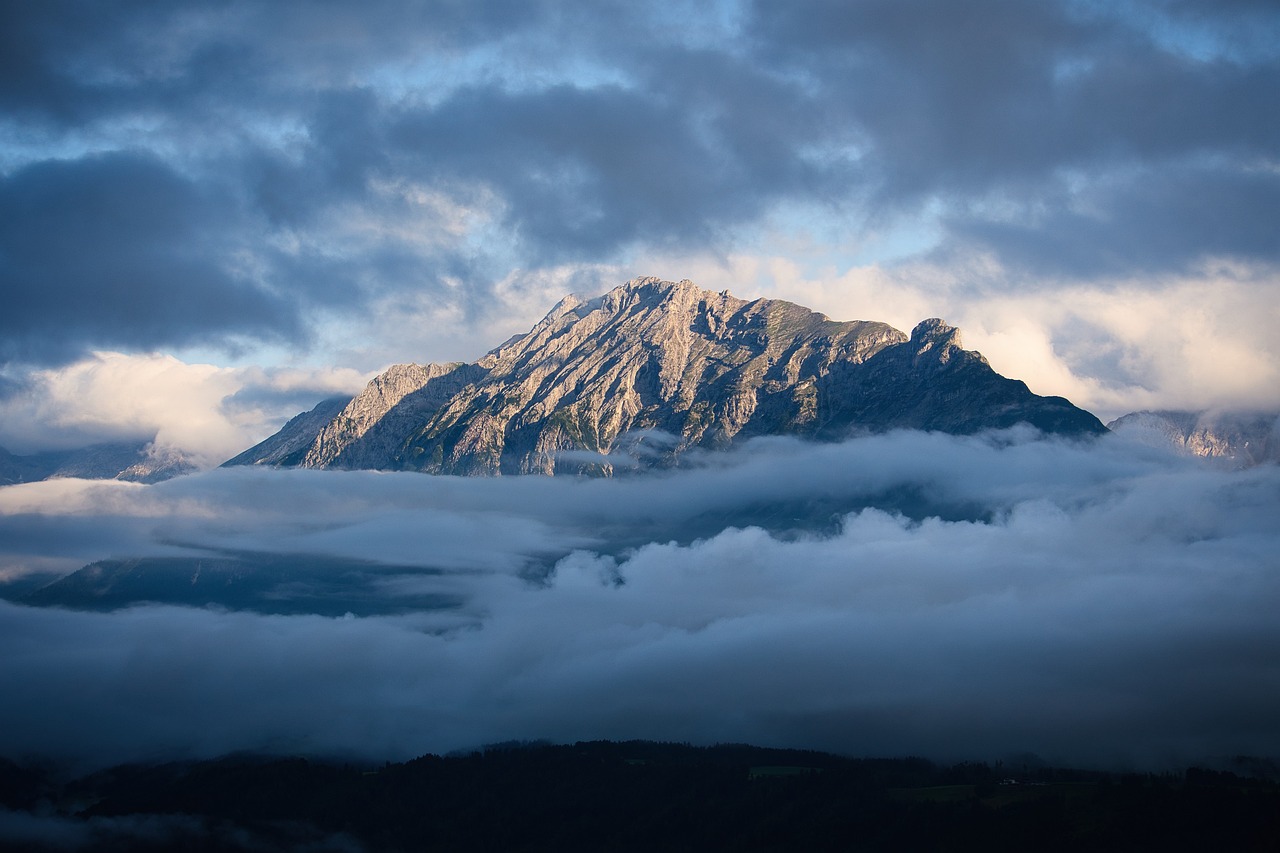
{"x":1098,"y":604}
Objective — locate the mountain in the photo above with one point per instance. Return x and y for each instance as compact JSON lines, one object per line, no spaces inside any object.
{"x":139,"y":462}
{"x":258,"y":582}
{"x":156,"y":464}
{"x":654,"y":368}
{"x":1240,"y":439}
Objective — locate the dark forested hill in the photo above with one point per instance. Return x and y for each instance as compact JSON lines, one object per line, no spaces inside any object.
{"x":639,"y":796}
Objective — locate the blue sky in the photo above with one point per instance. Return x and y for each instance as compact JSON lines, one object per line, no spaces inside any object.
{"x":282,"y":198}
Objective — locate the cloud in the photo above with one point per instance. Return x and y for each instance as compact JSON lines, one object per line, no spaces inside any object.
{"x":1139,"y":223}
{"x":209,"y":413}
{"x":341,"y":178}
{"x":585,"y":171}
{"x":118,"y":249}
{"x":956,"y":597}
{"x":70,"y":63}
{"x":1000,"y":95}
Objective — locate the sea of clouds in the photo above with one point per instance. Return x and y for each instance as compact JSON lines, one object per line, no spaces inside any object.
{"x":1099,"y":603}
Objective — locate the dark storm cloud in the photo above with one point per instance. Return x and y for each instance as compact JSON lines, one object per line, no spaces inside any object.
{"x":67,"y":62}
{"x":1032,"y":107}
{"x":980,"y":96}
{"x":284,"y":140}
{"x":1141,"y":224}
{"x":941,"y":91}
{"x":585,"y":171}
{"x":118,"y":250}
{"x":345,"y":148}
{"x":1098,"y":603}
{"x":135,"y":249}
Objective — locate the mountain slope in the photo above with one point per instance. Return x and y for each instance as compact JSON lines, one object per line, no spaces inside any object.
{"x":139,"y":462}
{"x":647,"y":356}
{"x":372,"y":426}
{"x":930,"y":382}
{"x":655,"y":368}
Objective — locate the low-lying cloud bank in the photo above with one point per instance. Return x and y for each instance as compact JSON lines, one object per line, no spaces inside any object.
{"x":953,"y":597}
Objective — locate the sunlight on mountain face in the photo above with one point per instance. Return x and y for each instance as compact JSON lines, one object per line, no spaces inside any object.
{"x":591,"y":387}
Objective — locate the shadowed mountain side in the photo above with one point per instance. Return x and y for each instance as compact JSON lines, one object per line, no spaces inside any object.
{"x":286,"y":584}
{"x":931,"y":383}
{"x":594,"y":377}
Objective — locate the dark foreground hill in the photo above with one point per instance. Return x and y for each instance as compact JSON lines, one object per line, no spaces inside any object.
{"x":605,"y":796}
{"x":651,"y":369}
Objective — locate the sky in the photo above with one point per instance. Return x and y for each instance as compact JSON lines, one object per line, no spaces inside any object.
{"x":215,"y":214}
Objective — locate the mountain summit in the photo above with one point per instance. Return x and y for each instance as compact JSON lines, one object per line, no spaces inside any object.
{"x":653,"y":368}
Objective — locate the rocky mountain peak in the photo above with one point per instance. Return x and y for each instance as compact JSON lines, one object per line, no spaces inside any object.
{"x":935,"y":344}
{"x":705,"y":369}
{"x":935,"y":331}
{"x":653,"y":288}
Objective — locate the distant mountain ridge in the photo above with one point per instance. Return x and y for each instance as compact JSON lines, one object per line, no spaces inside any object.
{"x":654,"y":368}
{"x":138,"y":462}
{"x":1238,"y":438}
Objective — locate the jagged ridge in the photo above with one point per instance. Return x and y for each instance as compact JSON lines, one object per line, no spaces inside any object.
{"x":600,"y":377}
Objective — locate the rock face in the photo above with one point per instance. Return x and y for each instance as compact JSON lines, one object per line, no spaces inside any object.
{"x":371,"y":428}
{"x":654,"y":368}
{"x":1240,"y":439}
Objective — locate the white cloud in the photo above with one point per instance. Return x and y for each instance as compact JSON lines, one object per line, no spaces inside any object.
{"x":208,"y":412}
{"x":1190,"y":343}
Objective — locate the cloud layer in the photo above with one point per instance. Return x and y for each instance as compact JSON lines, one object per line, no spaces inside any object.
{"x":910,"y":593}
